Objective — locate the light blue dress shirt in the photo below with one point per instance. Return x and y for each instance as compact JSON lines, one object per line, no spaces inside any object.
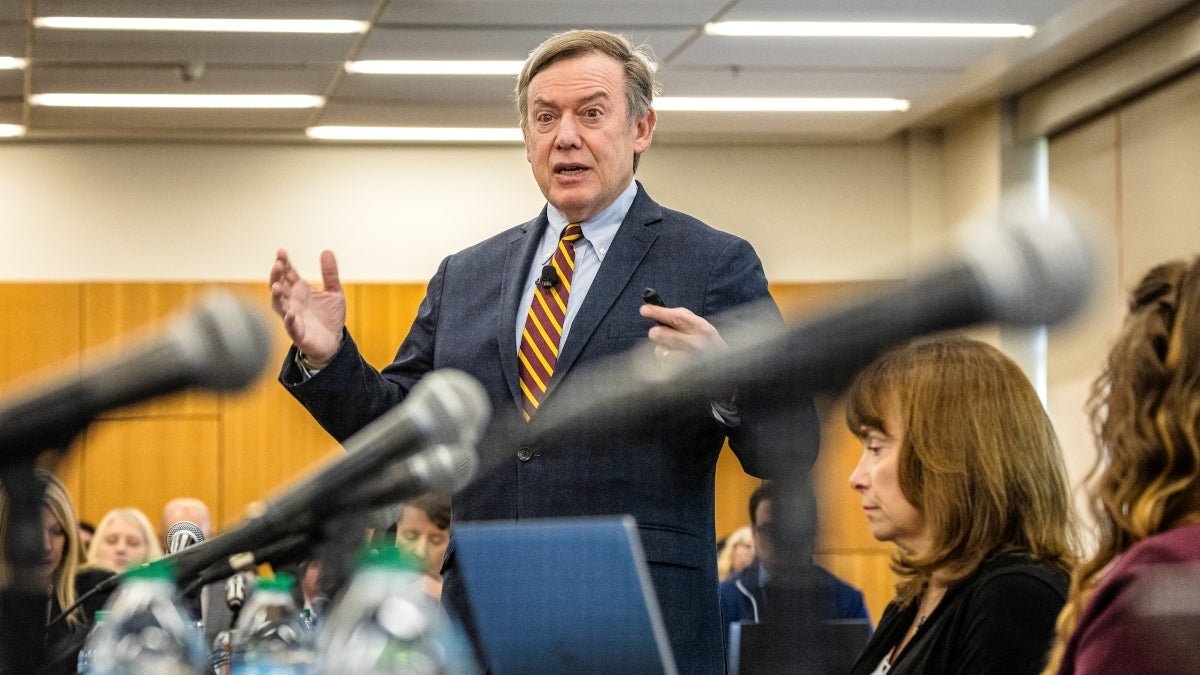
{"x":598,"y":235}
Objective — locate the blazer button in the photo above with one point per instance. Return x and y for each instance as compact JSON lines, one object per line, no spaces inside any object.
{"x":524,"y":453}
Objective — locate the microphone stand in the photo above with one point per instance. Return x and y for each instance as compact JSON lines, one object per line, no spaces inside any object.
{"x":23,"y":603}
{"x":791,"y":630}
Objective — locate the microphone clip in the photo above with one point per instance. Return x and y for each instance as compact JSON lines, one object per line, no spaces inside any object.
{"x":549,"y":278}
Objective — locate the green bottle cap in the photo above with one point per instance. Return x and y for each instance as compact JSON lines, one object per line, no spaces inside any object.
{"x":163,"y":568}
{"x":281,"y":582}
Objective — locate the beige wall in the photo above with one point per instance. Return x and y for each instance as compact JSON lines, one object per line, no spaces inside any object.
{"x":1137,"y":169}
{"x":162,"y":211}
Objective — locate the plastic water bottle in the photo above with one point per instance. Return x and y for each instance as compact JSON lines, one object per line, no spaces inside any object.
{"x":385,"y":622}
{"x":84,"y":664}
{"x":270,"y":638}
{"x":222,"y":652}
{"x":146,"y":629}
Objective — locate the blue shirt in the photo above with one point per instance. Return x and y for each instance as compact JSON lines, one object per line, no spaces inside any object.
{"x":598,"y":235}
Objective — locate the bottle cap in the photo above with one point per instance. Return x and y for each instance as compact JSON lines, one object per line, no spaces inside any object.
{"x":281,"y":582}
{"x":392,"y":557}
{"x":163,"y":568}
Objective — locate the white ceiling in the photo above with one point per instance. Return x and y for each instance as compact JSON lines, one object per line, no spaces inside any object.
{"x":939,"y":76}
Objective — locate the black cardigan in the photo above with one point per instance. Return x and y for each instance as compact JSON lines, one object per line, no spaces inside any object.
{"x":998,"y":620}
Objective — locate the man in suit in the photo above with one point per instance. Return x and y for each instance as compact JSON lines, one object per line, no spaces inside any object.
{"x":584,"y":100}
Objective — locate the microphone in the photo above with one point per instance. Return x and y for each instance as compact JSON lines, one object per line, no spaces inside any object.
{"x":291,"y":548}
{"x":235,"y":592}
{"x":183,"y":534}
{"x":1025,"y":266}
{"x":447,"y":407}
{"x":549,"y":278}
{"x":223,"y":344}
{"x":442,"y":468}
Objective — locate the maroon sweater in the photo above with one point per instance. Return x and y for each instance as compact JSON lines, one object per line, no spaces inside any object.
{"x":1143,"y":617}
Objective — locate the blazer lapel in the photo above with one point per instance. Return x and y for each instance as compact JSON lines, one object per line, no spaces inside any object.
{"x":517,"y":260}
{"x":633,"y":240}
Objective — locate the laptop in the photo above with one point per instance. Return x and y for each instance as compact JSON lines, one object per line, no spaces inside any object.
{"x":563,"y":596}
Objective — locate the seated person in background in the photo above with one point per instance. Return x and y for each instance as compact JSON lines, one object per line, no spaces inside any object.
{"x":736,"y":553}
{"x":962,"y":471}
{"x":424,"y":530}
{"x":190,"y":509}
{"x":211,"y":604}
{"x":86,"y":530}
{"x":60,"y":560}
{"x":1144,"y":491}
{"x":308,"y":592}
{"x":124,"y":539}
{"x":744,"y":595}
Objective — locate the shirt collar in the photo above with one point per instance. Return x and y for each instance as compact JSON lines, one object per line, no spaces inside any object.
{"x":600,"y":230}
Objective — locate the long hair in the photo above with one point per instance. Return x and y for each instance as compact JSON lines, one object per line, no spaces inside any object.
{"x":978,"y":457}
{"x":1145,"y":411}
{"x":133,"y":517}
{"x":56,"y":498}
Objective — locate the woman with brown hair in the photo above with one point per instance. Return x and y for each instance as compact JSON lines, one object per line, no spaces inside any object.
{"x":962,"y":471}
{"x":1145,"y":487}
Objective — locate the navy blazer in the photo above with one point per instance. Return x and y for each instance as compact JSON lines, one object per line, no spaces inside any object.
{"x":664,"y":478}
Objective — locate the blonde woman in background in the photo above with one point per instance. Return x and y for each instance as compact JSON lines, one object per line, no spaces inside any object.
{"x":736,"y":553}
{"x":124,"y":538}
{"x":56,"y":573}
{"x":1144,"y":491}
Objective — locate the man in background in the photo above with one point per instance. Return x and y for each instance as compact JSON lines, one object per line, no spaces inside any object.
{"x":745,"y":596}
{"x":212,"y":608}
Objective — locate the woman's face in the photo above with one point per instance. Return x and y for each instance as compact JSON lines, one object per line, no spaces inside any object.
{"x":741,"y":556}
{"x":890,"y":515}
{"x":54,"y":541}
{"x":121,"y":546}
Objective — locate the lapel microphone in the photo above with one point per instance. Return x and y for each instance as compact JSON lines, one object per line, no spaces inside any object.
{"x":549,"y":278}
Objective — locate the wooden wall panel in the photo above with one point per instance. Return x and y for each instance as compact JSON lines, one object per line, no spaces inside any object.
{"x":269,"y":440}
{"x":383,"y":315}
{"x":41,"y":341}
{"x":41,"y":333}
{"x":144,"y":462}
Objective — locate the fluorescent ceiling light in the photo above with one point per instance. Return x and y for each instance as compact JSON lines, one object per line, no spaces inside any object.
{"x":459,"y":134}
{"x":742,"y":104}
{"x":178,"y":100}
{"x":11,"y":63}
{"x":12,"y":130}
{"x":435,"y":67}
{"x":867,"y":29}
{"x":208,"y":25}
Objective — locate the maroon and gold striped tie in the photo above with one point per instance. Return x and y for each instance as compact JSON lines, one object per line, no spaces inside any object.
{"x":543,"y":327}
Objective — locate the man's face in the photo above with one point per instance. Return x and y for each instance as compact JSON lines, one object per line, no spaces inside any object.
{"x":193,"y":511}
{"x":579,"y":139}
{"x":762,"y":537}
{"x":422,"y":537}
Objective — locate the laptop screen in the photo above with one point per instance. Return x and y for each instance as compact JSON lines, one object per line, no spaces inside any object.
{"x":562,"y":596}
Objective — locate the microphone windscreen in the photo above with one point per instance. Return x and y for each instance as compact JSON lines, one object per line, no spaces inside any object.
{"x":1034,"y":258}
{"x":225,"y":342}
{"x":183,"y":534}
